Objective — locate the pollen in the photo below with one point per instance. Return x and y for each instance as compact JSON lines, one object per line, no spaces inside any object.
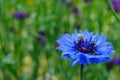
{"x":85,"y":46}
{"x":84,"y":49}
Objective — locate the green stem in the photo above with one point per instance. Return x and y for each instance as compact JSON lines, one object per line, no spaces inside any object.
{"x":19,"y":50}
{"x":36,"y":67}
{"x":81,"y":72}
{"x":36,"y":57}
{"x":113,"y":12}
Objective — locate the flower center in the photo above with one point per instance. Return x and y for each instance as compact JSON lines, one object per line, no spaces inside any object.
{"x":85,"y":46}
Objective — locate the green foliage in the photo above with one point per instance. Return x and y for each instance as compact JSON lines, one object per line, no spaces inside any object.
{"x":23,"y":58}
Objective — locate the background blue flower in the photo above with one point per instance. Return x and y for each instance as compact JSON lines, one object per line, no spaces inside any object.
{"x":85,"y":47}
{"x":20,"y":15}
{"x":116,"y":61}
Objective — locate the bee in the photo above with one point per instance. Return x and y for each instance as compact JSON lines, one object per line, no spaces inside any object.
{"x":94,"y":52}
{"x":80,"y":38}
{"x":93,"y":43}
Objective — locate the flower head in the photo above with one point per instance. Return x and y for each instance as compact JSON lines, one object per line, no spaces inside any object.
{"x":20,"y":15}
{"x":75,"y":11}
{"x":69,"y":4}
{"x":47,"y":78}
{"x":116,"y":61}
{"x":116,"y":5}
{"x":88,"y":1}
{"x":42,"y":33}
{"x":85,"y":47}
{"x":41,"y":40}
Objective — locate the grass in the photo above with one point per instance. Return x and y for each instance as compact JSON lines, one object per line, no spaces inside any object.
{"x":23,"y":58}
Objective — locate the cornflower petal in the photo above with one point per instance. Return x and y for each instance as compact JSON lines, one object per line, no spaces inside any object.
{"x":85,"y":47}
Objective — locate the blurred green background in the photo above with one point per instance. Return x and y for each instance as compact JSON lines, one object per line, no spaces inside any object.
{"x":27,"y":46}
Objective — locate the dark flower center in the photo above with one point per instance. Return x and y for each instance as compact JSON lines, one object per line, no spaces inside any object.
{"x":85,"y":46}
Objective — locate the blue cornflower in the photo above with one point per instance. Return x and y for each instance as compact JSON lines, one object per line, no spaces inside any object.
{"x":116,"y":5}
{"x":88,"y":1}
{"x":75,"y":11}
{"x":85,"y":48}
{"x":116,"y":60}
{"x":41,"y":39}
{"x":42,"y":32}
{"x":69,"y":4}
{"x":20,"y":15}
